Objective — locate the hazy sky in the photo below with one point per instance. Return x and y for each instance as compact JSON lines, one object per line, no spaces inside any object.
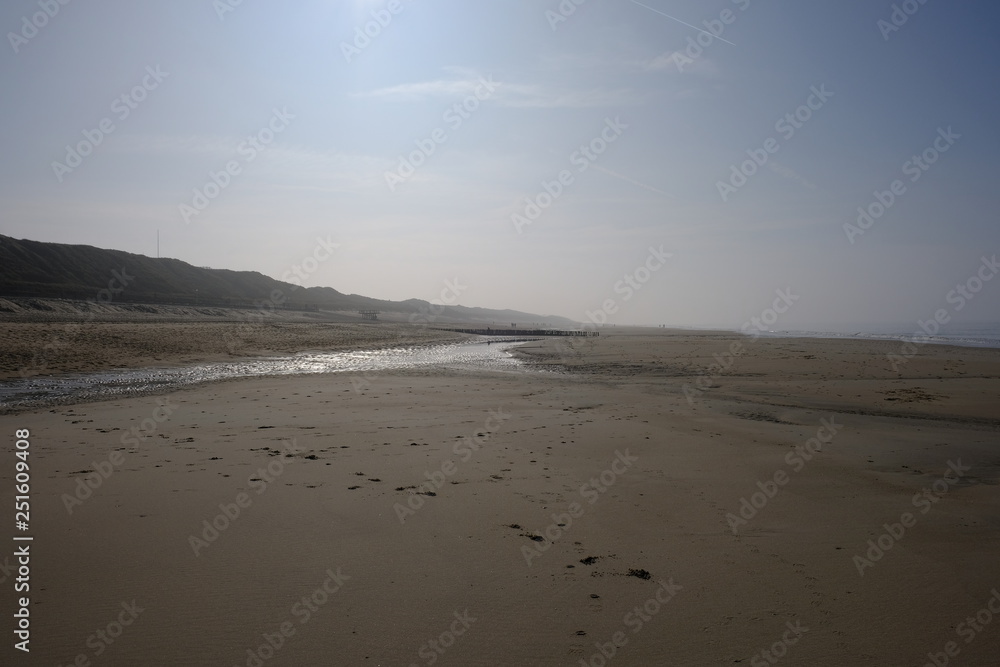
{"x":311,"y":117}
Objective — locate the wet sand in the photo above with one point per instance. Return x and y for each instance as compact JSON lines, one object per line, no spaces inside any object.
{"x":33,"y":349}
{"x":419,"y":512}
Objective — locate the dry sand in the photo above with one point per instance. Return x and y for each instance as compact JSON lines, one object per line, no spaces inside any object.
{"x":666,"y":473}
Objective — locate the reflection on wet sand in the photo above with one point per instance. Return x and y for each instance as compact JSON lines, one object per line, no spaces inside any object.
{"x":482,"y":355}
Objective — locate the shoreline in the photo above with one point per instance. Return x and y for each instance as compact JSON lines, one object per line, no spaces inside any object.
{"x":43,"y":349}
{"x":119,"y":383}
{"x":536,"y":503}
{"x":990,"y":341}
{"x":585,"y":358}
{"x":52,"y":348}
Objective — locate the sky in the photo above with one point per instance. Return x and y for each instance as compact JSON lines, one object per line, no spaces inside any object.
{"x":657,"y":162}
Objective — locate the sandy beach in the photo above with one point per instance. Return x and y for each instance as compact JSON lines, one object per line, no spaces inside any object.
{"x":482,"y":334}
{"x":33,"y":349}
{"x":653,"y":498}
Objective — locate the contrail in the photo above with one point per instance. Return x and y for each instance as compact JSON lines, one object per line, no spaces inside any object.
{"x":632,"y":181}
{"x":672,"y":18}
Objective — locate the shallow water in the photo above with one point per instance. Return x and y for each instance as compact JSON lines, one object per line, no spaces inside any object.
{"x":36,"y":392}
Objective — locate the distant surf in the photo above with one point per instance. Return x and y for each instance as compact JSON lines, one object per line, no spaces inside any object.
{"x":986,"y":336}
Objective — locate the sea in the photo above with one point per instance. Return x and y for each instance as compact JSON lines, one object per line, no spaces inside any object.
{"x":984,"y":335}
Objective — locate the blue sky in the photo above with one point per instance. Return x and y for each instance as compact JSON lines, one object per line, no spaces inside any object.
{"x":681,"y":125}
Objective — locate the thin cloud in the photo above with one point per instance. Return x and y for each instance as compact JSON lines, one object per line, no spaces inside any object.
{"x":632,"y":181}
{"x":279,"y":162}
{"x":674,"y":18}
{"x":678,"y":62}
{"x":513,"y":95}
{"x":791,"y":175}
{"x":408,"y":92}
